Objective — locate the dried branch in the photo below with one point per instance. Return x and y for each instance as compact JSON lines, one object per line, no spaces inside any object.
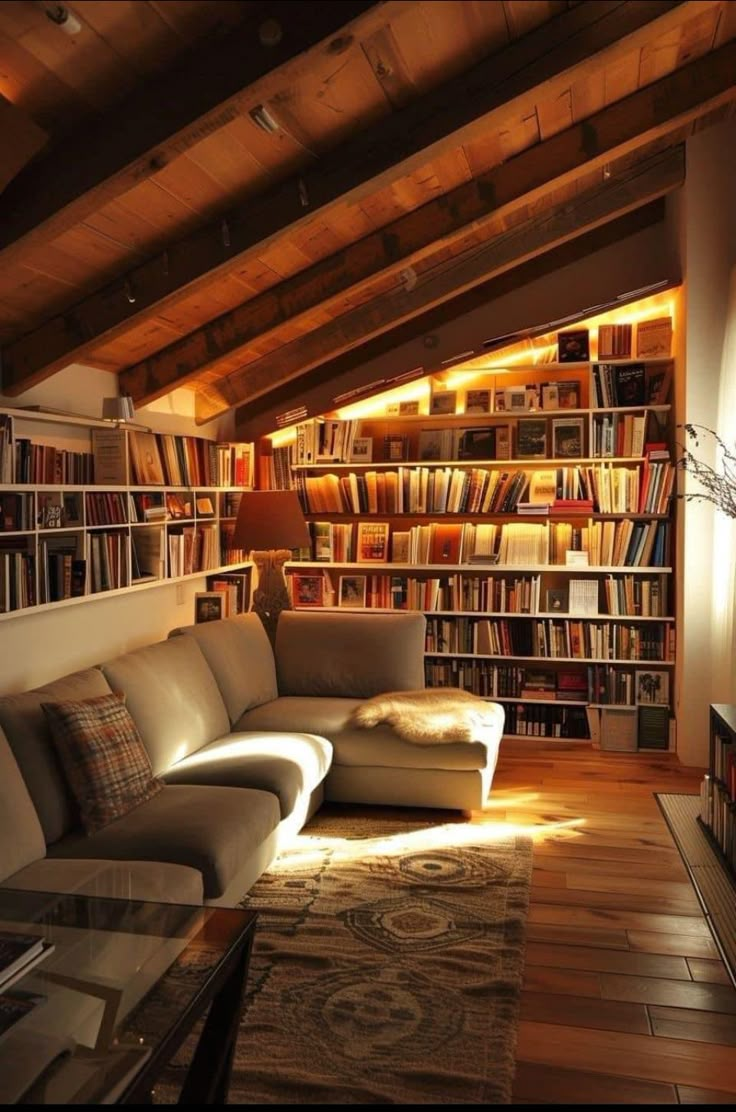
{"x":719,"y":482}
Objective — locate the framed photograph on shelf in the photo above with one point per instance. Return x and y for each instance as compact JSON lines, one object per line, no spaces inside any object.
{"x":362,"y":451}
{"x":568,"y":437}
{"x":556,"y":600}
{"x":531,"y":438}
{"x":652,"y":687}
{"x":209,"y":606}
{"x":352,"y":590}
{"x":307,"y":590}
{"x":443,"y":402}
{"x":477,"y":401}
{"x":408,"y":409}
{"x":568,"y":394}
{"x":373,"y":538}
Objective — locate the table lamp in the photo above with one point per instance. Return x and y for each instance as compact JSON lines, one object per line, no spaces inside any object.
{"x":270,"y":523}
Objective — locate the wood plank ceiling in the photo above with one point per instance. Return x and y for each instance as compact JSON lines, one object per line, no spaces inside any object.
{"x":232,"y":194}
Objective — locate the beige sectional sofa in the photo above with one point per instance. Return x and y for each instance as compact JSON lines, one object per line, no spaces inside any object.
{"x":248,"y":742}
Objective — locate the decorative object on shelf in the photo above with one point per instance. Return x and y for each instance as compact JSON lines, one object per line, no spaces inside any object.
{"x":362,"y":451}
{"x":209,"y":606}
{"x":118,"y":409}
{"x":719,"y":482}
{"x":269,"y":525}
{"x":443,"y":402}
{"x":308,"y":590}
{"x":478,"y":401}
{"x":531,"y":438}
{"x":352,"y":590}
{"x":654,"y":338}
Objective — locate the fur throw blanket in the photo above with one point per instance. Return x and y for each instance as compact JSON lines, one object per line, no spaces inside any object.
{"x":435,"y":716}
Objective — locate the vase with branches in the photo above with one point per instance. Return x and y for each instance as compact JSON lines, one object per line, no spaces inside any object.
{"x":718,"y":481}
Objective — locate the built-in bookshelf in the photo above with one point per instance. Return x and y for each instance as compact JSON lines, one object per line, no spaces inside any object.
{"x":525,"y":505}
{"x":718,"y":789}
{"x":77,"y":522}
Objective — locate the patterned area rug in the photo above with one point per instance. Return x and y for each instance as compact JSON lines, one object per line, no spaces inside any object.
{"x":387,"y":966}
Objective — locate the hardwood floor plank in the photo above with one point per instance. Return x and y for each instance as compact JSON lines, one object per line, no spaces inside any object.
{"x":676,"y":994}
{"x":633,"y":901}
{"x":691,"y":1094}
{"x":571,"y":1086}
{"x":690,"y":925}
{"x":577,"y":936}
{"x":602,"y":882}
{"x":712,"y":971}
{"x":657,"y":870}
{"x":585,"y":1011}
{"x":687,"y":1023}
{"x":563,"y":981}
{"x":622,"y":1055}
{"x":607,"y":961}
{"x":675,"y":942}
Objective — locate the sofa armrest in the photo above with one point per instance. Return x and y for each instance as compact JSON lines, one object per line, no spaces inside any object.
{"x":349,"y":655}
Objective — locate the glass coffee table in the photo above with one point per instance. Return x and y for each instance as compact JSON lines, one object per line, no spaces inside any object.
{"x":119,"y":990}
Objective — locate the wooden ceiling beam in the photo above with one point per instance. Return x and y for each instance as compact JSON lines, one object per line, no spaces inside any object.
{"x":200,"y":94}
{"x":643,"y":117}
{"x":569,"y":47}
{"x":354,"y":374}
{"x":641,"y":184}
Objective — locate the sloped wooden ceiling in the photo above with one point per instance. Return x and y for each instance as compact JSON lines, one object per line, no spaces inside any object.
{"x":269,"y":186}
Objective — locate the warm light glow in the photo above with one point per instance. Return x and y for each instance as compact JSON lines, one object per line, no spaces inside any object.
{"x":418,"y":390}
{"x":308,"y":849}
{"x":290,"y":747}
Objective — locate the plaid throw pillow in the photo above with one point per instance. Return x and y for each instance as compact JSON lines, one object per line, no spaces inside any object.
{"x":103,"y":757}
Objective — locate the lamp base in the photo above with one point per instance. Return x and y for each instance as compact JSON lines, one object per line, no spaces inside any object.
{"x":271,"y":596}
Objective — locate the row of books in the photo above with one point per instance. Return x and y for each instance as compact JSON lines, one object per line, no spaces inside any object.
{"x":551,"y":638}
{"x":106,"y":508}
{"x":63,"y":572}
{"x":108,"y":561}
{"x":16,"y":512}
{"x":162,"y":459}
{"x":526,"y":720}
{"x":44,"y":463}
{"x":17,"y":580}
{"x":630,"y":384}
{"x":718,"y":812}
{"x":415,"y":490}
{"x":624,"y":687}
{"x":324,"y":439}
{"x":193,"y":549}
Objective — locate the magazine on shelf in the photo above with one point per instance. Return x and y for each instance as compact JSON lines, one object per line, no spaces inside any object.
{"x":19,"y":953}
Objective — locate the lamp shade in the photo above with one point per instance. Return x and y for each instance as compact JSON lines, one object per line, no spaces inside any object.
{"x":270,"y":519}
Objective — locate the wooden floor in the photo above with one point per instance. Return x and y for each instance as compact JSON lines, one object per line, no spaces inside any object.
{"x":625,"y":999}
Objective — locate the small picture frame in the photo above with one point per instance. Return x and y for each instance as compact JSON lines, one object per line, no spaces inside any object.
{"x":362,"y":450}
{"x":568,"y":438}
{"x":515,"y":399}
{"x":557,"y":600}
{"x":478,"y":401}
{"x":209,"y":606}
{"x":576,"y":558}
{"x":443,"y":402}
{"x":352,"y":591}
{"x":652,"y":687}
{"x":409,"y":409}
{"x":568,"y":394}
{"x":307,"y":590}
{"x":550,"y":395}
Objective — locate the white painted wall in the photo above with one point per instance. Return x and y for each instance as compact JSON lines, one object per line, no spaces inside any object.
{"x":36,"y":648}
{"x":706,"y":658}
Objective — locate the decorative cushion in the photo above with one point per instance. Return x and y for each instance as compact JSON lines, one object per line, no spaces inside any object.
{"x":103,"y":757}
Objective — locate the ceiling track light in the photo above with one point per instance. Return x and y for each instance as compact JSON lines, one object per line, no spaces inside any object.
{"x":61,"y":16}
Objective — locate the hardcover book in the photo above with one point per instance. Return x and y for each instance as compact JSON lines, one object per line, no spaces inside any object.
{"x":532,"y":438}
{"x":477,"y":443}
{"x":630,"y":384}
{"x":373,"y":537}
{"x":446,"y":541}
{"x":654,"y":338}
{"x":573,"y":346}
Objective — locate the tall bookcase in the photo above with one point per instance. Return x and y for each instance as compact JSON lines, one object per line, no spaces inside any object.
{"x":525,"y":504}
{"x":88,"y":509}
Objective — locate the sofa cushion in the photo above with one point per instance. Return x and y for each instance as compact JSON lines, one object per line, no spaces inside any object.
{"x":172,"y":695}
{"x":104,"y":759}
{"x":239,"y":653}
{"x":349,"y":655}
{"x":379,"y":747}
{"x":21,"y":836}
{"x":122,"y":880}
{"x":29,"y":735}
{"x":212,"y":829}
{"x":291,"y":765}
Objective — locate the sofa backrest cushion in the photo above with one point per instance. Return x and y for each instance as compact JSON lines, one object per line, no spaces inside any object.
{"x":172,"y":696}
{"x":21,"y":837}
{"x":30,"y":739}
{"x":349,"y":655}
{"x":239,"y":653}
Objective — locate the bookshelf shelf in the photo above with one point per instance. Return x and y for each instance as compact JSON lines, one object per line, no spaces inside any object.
{"x":91,"y":539}
{"x":445,"y":480}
